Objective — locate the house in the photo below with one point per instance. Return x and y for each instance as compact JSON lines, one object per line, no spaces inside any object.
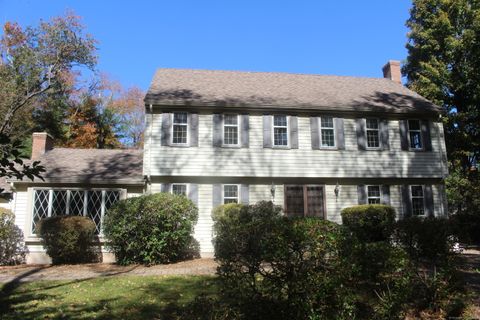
{"x":313,"y":144}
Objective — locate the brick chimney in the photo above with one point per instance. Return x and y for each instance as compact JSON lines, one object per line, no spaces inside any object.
{"x":392,"y":71}
{"x":41,"y":143}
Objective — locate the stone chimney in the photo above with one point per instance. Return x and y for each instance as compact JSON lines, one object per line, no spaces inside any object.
{"x":392,"y":71}
{"x":41,"y":143}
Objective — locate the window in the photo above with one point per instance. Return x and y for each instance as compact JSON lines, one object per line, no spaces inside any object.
{"x":89,"y":203}
{"x":415,"y":134}
{"x":280,"y":131}
{"x":373,"y":194}
{"x":327,"y":132}
{"x":179,"y":189}
{"x":373,"y":135}
{"x":230,"y":129}
{"x":418,"y":204}
{"x":304,"y":201}
{"x":180,"y":128}
{"x":230,"y":193}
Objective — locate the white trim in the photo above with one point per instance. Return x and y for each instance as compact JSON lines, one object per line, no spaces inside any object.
{"x":380,"y":197}
{"x":416,"y":197}
{"x":422,"y":143}
{"x":288,"y":131}
{"x":238,"y":192}
{"x":378,"y":132}
{"x":185,"y":124}
{"x":327,"y":128}
{"x":231,"y":125}
{"x":180,"y":184}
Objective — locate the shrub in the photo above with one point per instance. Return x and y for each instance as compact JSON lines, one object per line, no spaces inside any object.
{"x":69,"y":239}
{"x":277,"y":267}
{"x":12,"y":246}
{"x":370,"y":223}
{"x":466,"y":227}
{"x":151,"y":229}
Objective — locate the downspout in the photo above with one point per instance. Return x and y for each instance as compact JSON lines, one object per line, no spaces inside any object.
{"x":440,"y":147}
{"x":149,"y":170}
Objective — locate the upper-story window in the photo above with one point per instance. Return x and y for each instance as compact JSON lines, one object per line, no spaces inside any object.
{"x":230,"y":193}
{"x":373,"y":134}
{"x":327,"y":132}
{"x":280,"y":130}
{"x":180,"y":128}
{"x":415,"y":134}
{"x":179,"y":189}
{"x":418,"y":201}
{"x":373,"y":194}
{"x":230,"y":129}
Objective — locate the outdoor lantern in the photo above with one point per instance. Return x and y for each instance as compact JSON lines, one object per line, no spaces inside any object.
{"x":272,"y":192}
{"x":337,"y":191}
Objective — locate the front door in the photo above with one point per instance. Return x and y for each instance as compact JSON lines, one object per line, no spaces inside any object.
{"x":305,"y":201}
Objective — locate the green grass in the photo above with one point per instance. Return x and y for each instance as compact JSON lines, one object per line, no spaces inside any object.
{"x":120,"y":297}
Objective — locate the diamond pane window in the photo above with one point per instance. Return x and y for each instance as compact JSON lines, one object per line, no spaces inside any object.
{"x":373,"y":193}
{"x":373,"y":134}
{"x":230,"y":129}
{"x":180,"y":128}
{"x":59,"y":203}
{"x":230,"y":193}
{"x":76,"y":205}
{"x":40,"y":207}
{"x":415,"y":134}
{"x":327,"y":132}
{"x":94,"y":207}
{"x":280,"y":131}
{"x":418,"y":205}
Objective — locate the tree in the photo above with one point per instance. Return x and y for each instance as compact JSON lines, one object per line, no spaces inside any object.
{"x":443,"y":65}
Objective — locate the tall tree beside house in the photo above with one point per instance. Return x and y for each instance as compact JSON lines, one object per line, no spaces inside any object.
{"x":443,"y":65}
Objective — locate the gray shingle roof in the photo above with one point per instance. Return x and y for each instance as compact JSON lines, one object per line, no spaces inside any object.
{"x":95,"y":166}
{"x":185,"y":87}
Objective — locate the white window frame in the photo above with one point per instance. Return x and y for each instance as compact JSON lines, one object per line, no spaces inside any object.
{"x":415,"y":130}
{"x":230,"y":125}
{"x":273,"y":131}
{"x":329,"y":128}
{"x":416,"y":197}
{"x":377,"y":130}
{"x":238,"y":193}
{"x":31,"y":233}
{"x":380,"y":193}
{"x":185,"y":124}
{"x":179,"y":184}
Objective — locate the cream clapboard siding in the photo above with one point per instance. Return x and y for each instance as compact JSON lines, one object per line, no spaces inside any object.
{"x":6,"y":204}
{"x":257,"y":161}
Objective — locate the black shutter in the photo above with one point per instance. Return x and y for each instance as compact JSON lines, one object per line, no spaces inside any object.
{"x":384,"y":138}
{"x":267,"y":131}
{"x":361,"y":134}
{"x":193,"y":193}
{"x":293,"y":132}
{"x":244,"y":194}
{"x":245,"y":129}
{"x":193,"y":122}
{"x":427,"y":140}
{"x":428,"y":196}
{"x":166,"y":129}
{"x":339,"y":133}
{"x":216,"y":195}
{"x":403,"y":134}
{"x":385,"y":194}
{"x":362,"y":194}
{"x":314,"y":130}
{"x":406,"y":201}
{"x":217,"y":130}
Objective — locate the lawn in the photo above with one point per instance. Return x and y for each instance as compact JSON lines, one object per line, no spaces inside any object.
{"x":119,"y":297}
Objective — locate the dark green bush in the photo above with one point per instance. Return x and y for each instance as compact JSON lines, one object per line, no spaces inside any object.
{"x":69,"y":239}
{"x":274,"y":267}
{"x":370,"y":223}
{"x":12,"y":246}
{"x":466,"y":227}
{"x":426,"y":239}
{"x":152,"y":229}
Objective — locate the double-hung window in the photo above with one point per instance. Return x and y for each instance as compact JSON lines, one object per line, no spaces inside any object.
{"x":327,"y":132}
{"x":230,"y":193}
{"x":56,"y":202}
{"x":373,"y":194}
{"x":179,"y":189}
{"x":230,"y":129}
{"x":280,"y":131}
{"x":418,"y":200}
{"x":415,"y":135}
{"x":373,"y":134}
{"x":180,"y":128}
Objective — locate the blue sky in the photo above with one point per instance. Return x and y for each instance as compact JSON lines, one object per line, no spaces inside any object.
{"x":325,"y":37}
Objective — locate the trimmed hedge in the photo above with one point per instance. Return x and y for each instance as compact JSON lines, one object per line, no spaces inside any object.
{"x":152,"y":229}
{"x":69,"y":239}
{"x":12,"y":245}
{"x":370,"y":222}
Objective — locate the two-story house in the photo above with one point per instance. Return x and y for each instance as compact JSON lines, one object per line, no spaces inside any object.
{"x":313,"y":144}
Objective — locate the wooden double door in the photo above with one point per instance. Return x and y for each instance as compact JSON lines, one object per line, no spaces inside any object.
{"x":305,"y":201}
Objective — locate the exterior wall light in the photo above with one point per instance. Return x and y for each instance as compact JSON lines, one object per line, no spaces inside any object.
{"x":337,"y":191}
{"x":272,"y":192}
